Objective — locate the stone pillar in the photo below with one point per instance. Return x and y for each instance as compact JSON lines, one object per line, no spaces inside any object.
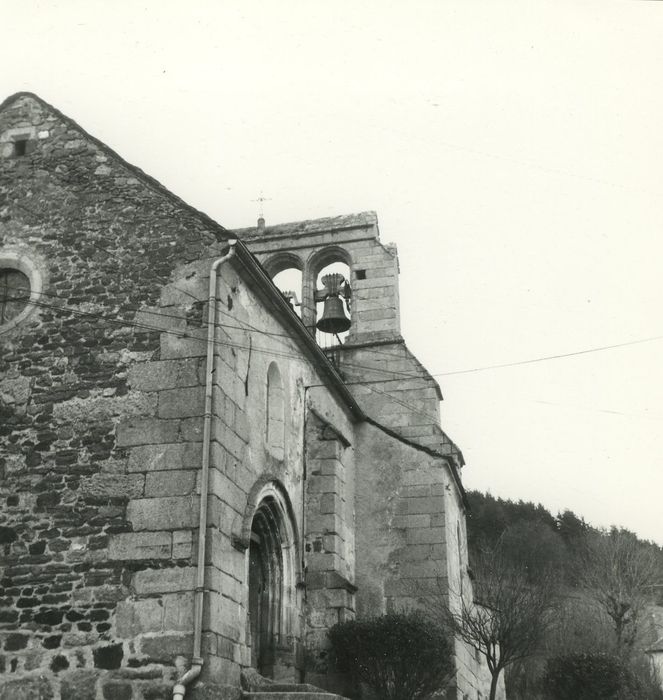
{"x":308,"y":298}
{"x":329,"y":555}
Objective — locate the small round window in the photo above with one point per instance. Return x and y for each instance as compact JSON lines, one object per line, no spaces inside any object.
{"x":14,"y":294}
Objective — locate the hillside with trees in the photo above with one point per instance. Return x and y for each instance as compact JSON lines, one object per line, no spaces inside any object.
{"x":604,"y":583}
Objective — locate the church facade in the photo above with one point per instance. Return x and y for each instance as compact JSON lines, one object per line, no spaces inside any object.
{"x":192,"y":484}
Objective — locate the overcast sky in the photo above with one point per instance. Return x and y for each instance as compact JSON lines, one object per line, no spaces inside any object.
{"x":512,"y":149}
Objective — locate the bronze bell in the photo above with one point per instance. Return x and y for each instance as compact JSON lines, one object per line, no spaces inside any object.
{"x":333,"y":318}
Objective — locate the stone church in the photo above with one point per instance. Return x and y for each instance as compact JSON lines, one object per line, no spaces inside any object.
{"x":202,"y":472}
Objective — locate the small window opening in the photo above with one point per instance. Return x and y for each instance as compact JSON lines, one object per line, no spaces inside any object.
{"x":361,"y":274}
{"x":20,"y":147}
{"x":275,"y":411}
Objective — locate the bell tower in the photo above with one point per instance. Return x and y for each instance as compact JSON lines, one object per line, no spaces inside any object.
{"x":349,"y":300}
{"x":368,"y":292}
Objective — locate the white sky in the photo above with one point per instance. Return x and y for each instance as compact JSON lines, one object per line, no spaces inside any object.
{"x":512,"y":150}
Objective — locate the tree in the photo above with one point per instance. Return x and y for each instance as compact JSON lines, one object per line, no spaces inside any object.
{"x":401,"y":656}
{"x":618,"y":572}
{"x":508,"y":621}
{"x":534,"y":548}
{"x":590,"y":677}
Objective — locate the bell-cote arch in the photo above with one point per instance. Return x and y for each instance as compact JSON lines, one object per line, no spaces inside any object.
{"x":327,"y":277}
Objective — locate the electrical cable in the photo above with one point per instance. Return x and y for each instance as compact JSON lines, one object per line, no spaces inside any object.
{"x":394,"y":372}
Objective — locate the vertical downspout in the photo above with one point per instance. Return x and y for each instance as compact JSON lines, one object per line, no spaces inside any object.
{"x":196,"y":667}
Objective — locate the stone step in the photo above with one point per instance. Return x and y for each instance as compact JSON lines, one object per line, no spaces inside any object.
{"x":256,"y":687}
{"x":290,"y":695}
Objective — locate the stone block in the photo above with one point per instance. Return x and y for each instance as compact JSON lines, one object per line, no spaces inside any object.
{"x":327,"y":523}
{"x":170,"y":483}
{"x":426,"y":504}
{"x":167,"y":513}
{"x":423,"y":569}
{"x":165,"y":648}
{"x":185,"y":455}
{"x":178,"y":611}
{"x":224,"y":584}
{"x":29,"y":688}
{"x":328,"y":467}
{"x":227,"y":491}
{"x":322,"y":561}
{"x":182,"y":402}
{"x":146,"y":431}
{"x":174,"y":346}
{"x":413,"y":588}
{"x":183,"y":544}
{"x":233,"y":443}
{"x":108,"y":485}
{"x":378,"y":314}
{"x":157,"y":319}
{"x":140,"y":545}
{"x":417,"y":491}
{"x":218,"y":667}
{"x":116,"y":689}
{"x":164,"y":374}
{"x":79,"y":685}
{"x":224,"y":555}
{"x":323,"y":484}
{"x":414,"y":552}
{"x":95,"y":409}
{"x":323,"y":449}
{"x":171,"y":580}
{"x":424,"y":475}
{"x":191,"y":429}
{"x":134,"y":617}
{"x":333,"y":544}
{"x":330,"y":503}
{"x":412,"y":520}
{"x":430,"y":535}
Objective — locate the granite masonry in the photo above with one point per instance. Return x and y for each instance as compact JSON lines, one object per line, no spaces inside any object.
{"x":327,"y":494}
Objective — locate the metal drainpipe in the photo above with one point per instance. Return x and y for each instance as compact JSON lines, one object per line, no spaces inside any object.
{"x":196,"y":667}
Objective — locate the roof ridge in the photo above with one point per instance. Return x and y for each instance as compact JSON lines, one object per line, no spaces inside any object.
{"x":344,"y":221}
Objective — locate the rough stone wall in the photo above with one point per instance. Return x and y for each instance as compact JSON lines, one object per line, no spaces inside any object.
{"x":104,"y":238}
{"x":411,"y":540}
{"x":472,"y":674}
{"x":402,"y":543}
{"x":249,"y":340}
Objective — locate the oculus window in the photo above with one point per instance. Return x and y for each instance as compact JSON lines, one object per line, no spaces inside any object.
{"x":14,"y":294}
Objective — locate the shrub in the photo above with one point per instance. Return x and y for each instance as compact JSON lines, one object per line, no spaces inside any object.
{"x":400,"y":656}
{"x":589,"y":677}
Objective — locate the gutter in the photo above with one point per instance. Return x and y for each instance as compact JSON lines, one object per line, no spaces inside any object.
{"x":197,"y":661}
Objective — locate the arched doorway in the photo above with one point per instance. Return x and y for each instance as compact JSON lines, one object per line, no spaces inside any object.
{"x":265,"y":589}
{"x":274,"y":613}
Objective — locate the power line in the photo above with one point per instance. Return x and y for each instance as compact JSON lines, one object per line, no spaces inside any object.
{"x":551,"y":357}
{"x":146,"y":327}
{"x":248,"y":327}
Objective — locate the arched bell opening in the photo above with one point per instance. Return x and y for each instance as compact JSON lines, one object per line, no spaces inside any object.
{"x":273,"y":605}
{"x":286,"y":273}
{"x":330,"y":277}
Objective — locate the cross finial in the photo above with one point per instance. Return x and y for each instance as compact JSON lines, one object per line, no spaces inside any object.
{"x":261,"y":200}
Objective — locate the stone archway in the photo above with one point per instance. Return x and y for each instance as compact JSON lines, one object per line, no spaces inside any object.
{"x":273,"y":608}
